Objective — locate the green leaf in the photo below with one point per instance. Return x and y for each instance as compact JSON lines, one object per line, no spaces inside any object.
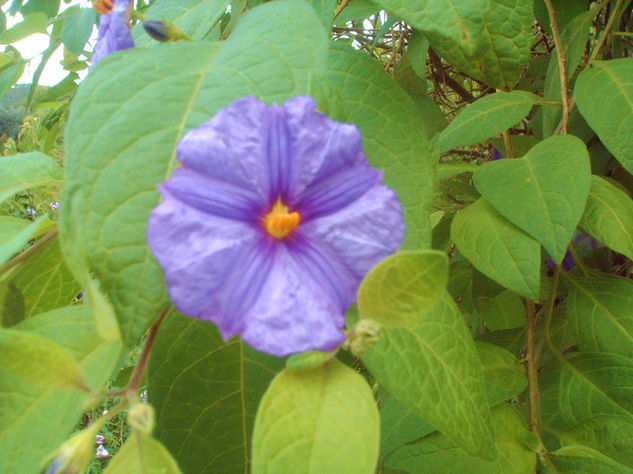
{"x":583,"y":385}
{"x":608,"y":216}
{"x":309,"y":359}
{"x":209,"y":426}
{"x":26,"y":171}
{"x":421,"y":366}
{"x":486,"y":117}
{"x":393,"y":138}
{"x":193,"y":17}
{"x":273,"y":53}
{"x":487,"y":39}
{"x":543,"y":193}
{"x":401,"y":288}
{"x":604,"y":95}
{"x":356,"y":10}
{"x":77,"y":29}
{"x":45,"y":281}
{"x":50,"y":7}
{"x":39,"y":361}
{"x":11,"y":305}
{"x":399,"y":425}
{"x":599,"y":312}
{"x":574,"y":39}
{"x":20,"y":235}
{"x":8,"y":78}
{"x":583,"y":460}
{"x":319,"y":420}
{"x":498,"y":248}
{"x":436,"y":454}
{"x":504,"y":377}
{"x":504,"y":311}
{"x":32,"y":23}
{"x":610,"y":435}
{"x":142,"y":454}
{"x":34,"y":420}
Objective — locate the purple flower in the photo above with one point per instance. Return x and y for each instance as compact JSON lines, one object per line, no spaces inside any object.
{"x":271,"y":223}
{"x":496,"y":155}
{"x":114,"y":28}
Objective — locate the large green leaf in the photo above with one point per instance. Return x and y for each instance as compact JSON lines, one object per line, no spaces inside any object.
{"x":574,"y":39}
{"x":34,"y":420}
{"x":124,"y":125}
{"x":599,"y":312}
{"x":487,"y":117}
{"x":77,"y":29}
{"x":194,"y":17}
{"x":45,"y":281}
{"x":543,"y":193}
{"x":498,"y":248}
{"x":26,"y":171}
{"x":141,"y":454}
{"x":584,"y":385}
{"x":565,"y":10}
{"x":400,"y":289}
{"x":393,"y":138}
{"x":608,"y":216}
{"x":434,"y":369}
{"x":39,"y":361}
{"x":319,"y":420}
{"x":207,"y":428}
{"x":609,"y":434}
{"x":487,"y":39}
{"x":583,"y":460}
{"x":436,"y":454}
{"x":604,"y":95}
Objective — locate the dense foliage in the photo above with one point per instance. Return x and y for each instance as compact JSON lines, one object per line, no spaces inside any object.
{"x":497,"y":339}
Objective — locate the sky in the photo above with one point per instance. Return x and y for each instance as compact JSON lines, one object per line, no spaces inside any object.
{"x":32,"y":47}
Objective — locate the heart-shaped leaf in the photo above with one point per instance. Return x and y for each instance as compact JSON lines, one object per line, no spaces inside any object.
{"x":543,"y":193}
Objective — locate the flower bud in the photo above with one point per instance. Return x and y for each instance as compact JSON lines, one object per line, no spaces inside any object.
{"x":75,"y":453}
{"x":163,"y":31}
{"x":141,"y":417}
{"x":364,"y":335}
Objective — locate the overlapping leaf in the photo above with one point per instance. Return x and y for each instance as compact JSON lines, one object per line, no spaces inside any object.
{"x":142,"y":455}
{"x":207,"y":427}
{"x":604,"y":94}
{"x":543,"y":193}
{"x":434,"y":369}
{"x":498,"y":248}
{"x":319,"y":420}
{"x":26,"y":171}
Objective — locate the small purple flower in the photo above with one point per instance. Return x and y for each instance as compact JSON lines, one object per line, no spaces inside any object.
{"x":102,"y":453}
{"x":114,"y":28}
{"x":54,"y":205}
{"x":496,"y":155}
{"x":31,"y":211}
{"x":99,"y":439}
{"x":271,"y":223}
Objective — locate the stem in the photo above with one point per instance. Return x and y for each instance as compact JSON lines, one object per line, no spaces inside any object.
{"x":135,"y":380}
{"x":507,"y":141}
{"x":28,"y":252}
{"x":340,"y":8}
{"x":561,"y":67}
{"x":531,"y":367}
{"x":550,"y":308}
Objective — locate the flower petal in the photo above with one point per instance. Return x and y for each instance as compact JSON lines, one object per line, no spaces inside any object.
{"x":196,"y":250}
{"x":295,"y":310}
{"x":232,"y":146}
{"x":320,"y":146}
{"x":213,"y":196}
{"x":362,"y":233}
{"x":114,"y":32}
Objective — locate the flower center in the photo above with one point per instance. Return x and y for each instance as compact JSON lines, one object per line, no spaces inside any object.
{"x":104,"y":7}
{"x":279,"y":222}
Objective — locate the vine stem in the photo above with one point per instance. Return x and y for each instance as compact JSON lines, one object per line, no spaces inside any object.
{"x":135,"y":380}
{"x":531,"y":367}
{"x":562,"y":68}
{"x":340,"y":8}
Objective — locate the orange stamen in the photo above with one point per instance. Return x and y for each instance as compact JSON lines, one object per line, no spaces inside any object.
{"x":279,"y":222}
{"x":103,"y":7}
